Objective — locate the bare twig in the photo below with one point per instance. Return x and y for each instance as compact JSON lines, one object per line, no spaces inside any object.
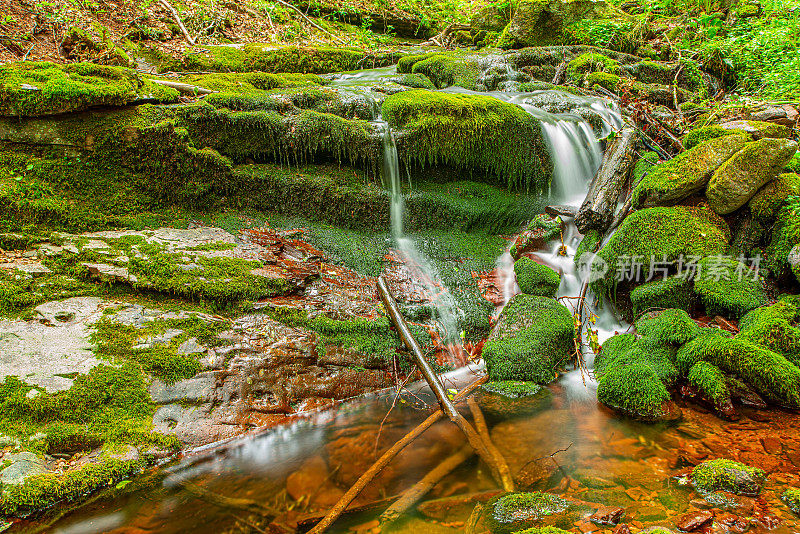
{"x":184,"y":87}
{"x":317,"y":26}
{"x":384,"y":460}
{"x":178,"y":21}
{"x":421,"y":488}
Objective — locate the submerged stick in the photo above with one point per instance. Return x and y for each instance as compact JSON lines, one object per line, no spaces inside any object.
{"x":483,"y":431}
{"x":223,"y":501}
{"x":416,"y":492}
{"x":384,"y":460}
{"x":436,"y":386}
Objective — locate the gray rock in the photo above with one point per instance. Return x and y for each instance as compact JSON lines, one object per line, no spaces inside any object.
{"x":23,"y":465}
{"x":195,"y":390}
{"x":759,"y":129}
{"x":191,"y":346}
{"x":109,"y":273}
{"x":33,"y":269}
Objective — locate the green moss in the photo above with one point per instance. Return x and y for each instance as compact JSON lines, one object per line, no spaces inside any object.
{"x":252,"y":57}
{"x":73,"y":87}
{"x":590,"y":62}
{"x":774,"y":378}
{"x":473,"y":132}
{"x":513,"y":389}
{"x":589,"y":242}
{"x":711,"y":382}
{"x":18,"y":292}
{"x":706,"y":133}
{"x":643,"y":166}
{"x":669,"y":326}
{"x":792,"y":499}
{"x":794,"y":163}
{"x":512,"y":512}
{"x":775,"y":327}
{"x":644,"y":353}
{"x":109,"y":405}
{"x":635,"y":390}
{"x":532,"y":341}
{"x":662,"y":233}
{"x":415,"y":81}
{"x":40,"y":491}
{"x":669,"y":292}
{"x":727,"y":288}
{"x":768,"y":201}
{"x":664,"y":95}
{"x":685,"y":174}
{"x":252,"y":82}
{"x":538,"y":231}
{"x":727,"y":475}
{"x":536,"y":279}
{"x":448,"y":70}
{"x":785,"y":236}
{"x":543,"y":530}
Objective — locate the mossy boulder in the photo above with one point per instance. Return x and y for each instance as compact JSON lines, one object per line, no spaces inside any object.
{"x":668,"y":292}
{"x":758,"y":129}
{"x":537,"y":233}
{"x":785,"y":237}
{"x":444,"y":69}
{"x":706,"y":133}
{"x":532,"y":341}
{"x":686,"y":174}
{"x":512,"y":512}
{"x":726,"y":475}
{"x":252,"y":82}
{"x":545,"y":22}
{"x":663,"y":234}
{"x":772,"y":376}
{"x":263,"y":57}
{"x":792,"y":499}
{"x":476,"y":133}
{"x":590,"y":62}
{"x":31,"y":89}
{"x":775,"y":327}
{"x":635,"y":390}
{"x":739,"y":178}
{"x":727,"y":287}
{"x":491,"y":18}
{"x":768,"y":201}
{"x":507,"y":399}
{"x":712,"y":383}
{"x":671,"y":326}
{"x":536,"y":279}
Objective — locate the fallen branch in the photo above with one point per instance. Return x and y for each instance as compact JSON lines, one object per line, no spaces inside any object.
{"x":472,"y":522}
{"x":184,"y":87}
{"x":317,"y":26}
{"x":178,"y":21}
{"x":421,"y":488}
{"x":384,"y":460}
{"x":231,"y":503}
{"x":597,"y":210}
{"x":483,"y":431}
{"x":436,"y":386}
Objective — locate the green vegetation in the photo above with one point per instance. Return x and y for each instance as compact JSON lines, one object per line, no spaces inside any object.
{"x":536,"y":279}
{"x":252,"y":82}
{"x":634,"y":390}
{"x":512,"y":512}
{"x":669,"y":292}
{"x":669,"y":326}
{"x":471,"y":132}
{"x":711,"y":382}
{"x":590,"y":62}
{"x":513,"y":389}
{"x":727,"y":475}
{"x":443,"y":70}
{"x":775,"y":327}
{"x":792,"y":499}
{"x":702,"y":134}
{"x":534,"y":338}
{"x":72,"y":87}
{"x":727,"y":287}
{"x":767,"y":203}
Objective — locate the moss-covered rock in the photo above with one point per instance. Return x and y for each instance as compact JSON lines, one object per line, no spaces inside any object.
{"x":252,"y":57}
{"x":768,"y":201}
{"x":785,"y":236}
{"x":774,"y":377}
{"x":669,"y":292}
{"x":533,"y":339}
{"x":738,"y":179}
{"x":711,"y":382}
{"x":472,"y":132}
{"x":31,"y":89}
{"x":507,"y":399}
{"x":545,"y":22}
{"x":491,"y":18}
{"x":536,"y":279}
{"x":252,"y":82}
{"x":758,"y":129}
{"x":671,"y":326}
{"x":727,"y":475}
{"x":686,"y":174}
{"x":775,"y":327}
{"x":663,"y":234}
{"x":634,"y":390}
{"x":590,"y":62}
{"x":792,"y":499}
{"x":444,"y":70}
{"x":665,"y":95}
{"x":537,"y":233}
{"x":512,"y":512}
{"x":727,"y":287}
{"x":706,"y":133}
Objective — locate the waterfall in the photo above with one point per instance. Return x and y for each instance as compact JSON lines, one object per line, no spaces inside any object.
{"x":420,"y":267}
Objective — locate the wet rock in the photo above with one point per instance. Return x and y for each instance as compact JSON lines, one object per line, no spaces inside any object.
{"x":726,"y":501}
{"x":198,"y":390}
{"x":537,"y":233}
{"x":536,"y":279}
{"x":507,"y":399}
{"x":607,"y":515}
{"x":456,"y":506}
{"x":792,"y":499}
{"x":759,"y":129}
{"x":622,"y":528}
{"x":560,"y":210}
{"x":532,"y":340}
{"x":491,"y":19}
{"x":739,"y":178}
{"x":512,"y":512}
{"x":313,"y":480}
{"x":694,"y":520}
{"x":730,"y":476}
{"x":22,"y":465}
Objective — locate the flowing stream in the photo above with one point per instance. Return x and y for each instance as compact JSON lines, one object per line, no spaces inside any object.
{"x":301,"y":468}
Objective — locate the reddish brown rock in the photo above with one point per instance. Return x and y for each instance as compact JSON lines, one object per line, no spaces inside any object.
{"x":622,"y":528}
{"x":607,"y":515}
{"x":694,"y":520}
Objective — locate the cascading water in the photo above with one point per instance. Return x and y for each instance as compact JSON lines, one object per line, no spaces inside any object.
{"x":416,"y":262}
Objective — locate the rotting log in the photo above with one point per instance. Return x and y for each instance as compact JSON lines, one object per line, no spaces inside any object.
{"x":597,"y":210}
{"x":384,"y":460}
{"x":447,"y":406}
{"x":416,"y":492}
{"x":184,"y":88}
